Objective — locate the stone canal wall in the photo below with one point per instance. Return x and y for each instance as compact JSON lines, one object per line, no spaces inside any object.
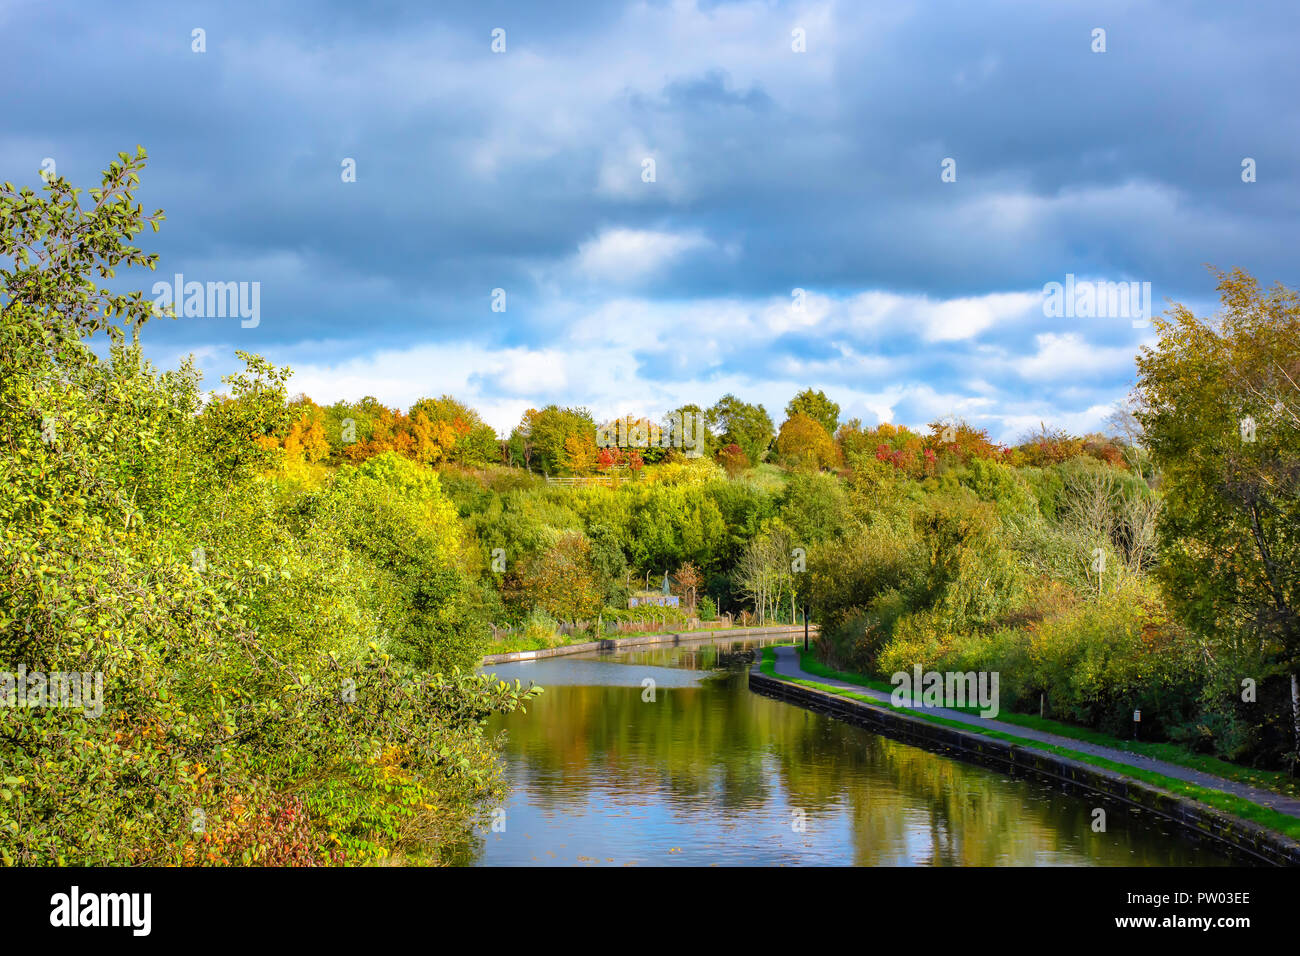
{"x":637,"y":640}
{"x":1250,"y":839}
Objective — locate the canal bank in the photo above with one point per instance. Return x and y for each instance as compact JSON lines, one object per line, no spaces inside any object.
{"x":1008,"y":749}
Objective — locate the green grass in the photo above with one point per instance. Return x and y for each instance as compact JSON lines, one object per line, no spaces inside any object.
{"x":767,"y":477}
{"x":1279,"y":781}
{"x":1228,"y":803}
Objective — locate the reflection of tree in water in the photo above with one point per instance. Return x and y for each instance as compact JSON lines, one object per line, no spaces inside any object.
{"x":691,"y":742}
{"x":697,"y":656}
{"x":929,"y":810}
{"x":718,"y":748}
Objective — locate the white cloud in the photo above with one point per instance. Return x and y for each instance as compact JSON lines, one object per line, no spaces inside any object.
{"x":626,"y":255}
{"x":1069,"y":357}
{"x":957,"y":319}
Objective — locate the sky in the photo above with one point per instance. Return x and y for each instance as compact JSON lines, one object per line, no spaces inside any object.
{"x":795,"y":146}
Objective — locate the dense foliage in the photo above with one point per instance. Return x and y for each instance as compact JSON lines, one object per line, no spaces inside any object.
{"x":283,"y":660}
{"x":1221,"y":411}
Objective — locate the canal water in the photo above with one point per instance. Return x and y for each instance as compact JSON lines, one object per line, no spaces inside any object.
{"x":694,"y":769}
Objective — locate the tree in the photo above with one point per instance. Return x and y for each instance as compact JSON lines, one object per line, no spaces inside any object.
{"x":563,"y":580}
{"x":689,"y":580}
{"x":452,"y":431}
{"x":557,"y":439}
{"x":56,"y":246}
{"x":803,"y":443}
{"x":742,"y":424}
{"x":243,"y":430}
{"x":815,"y":506}
{"x":1048,"y":446}
{"x":1221,"y":417}
{"x":306,"y":439}
{"x":1091,"y":497}
{"x":224,"y":615}
{"x":1123,"y":421}
{"x":962,"y":440}
{"x":765,"y":573}
{"x":694,"y":420}
{"x":817,"y":407}
{"x":854,"y":440}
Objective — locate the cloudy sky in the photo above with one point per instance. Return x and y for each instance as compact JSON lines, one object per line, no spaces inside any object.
{"x":774,"y":170}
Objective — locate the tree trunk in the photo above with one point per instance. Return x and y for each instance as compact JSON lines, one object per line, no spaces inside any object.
{"x":1295,"y":720}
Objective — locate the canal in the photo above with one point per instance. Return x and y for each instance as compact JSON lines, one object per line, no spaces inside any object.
{"x":664,"y":756}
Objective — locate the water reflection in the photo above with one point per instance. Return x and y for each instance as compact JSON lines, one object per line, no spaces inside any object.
{"x":710,"y":773}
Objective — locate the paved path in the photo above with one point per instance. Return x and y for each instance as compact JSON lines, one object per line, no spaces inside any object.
{"x":787,"y":665}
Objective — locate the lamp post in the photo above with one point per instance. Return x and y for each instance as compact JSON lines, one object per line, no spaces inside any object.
{"x":805,"y":628}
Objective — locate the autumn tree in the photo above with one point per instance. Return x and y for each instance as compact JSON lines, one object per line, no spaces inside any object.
{"x":306,"y":439}
{"x":732,"y":458}
{"x":805,"y":444}
{"x":1048,"y":446}
{"x":563,"y":580}
{"x":962,"y":440}
{"x":853,"y":439}
{"x":689,"y":580}
{"x":452,"y":431}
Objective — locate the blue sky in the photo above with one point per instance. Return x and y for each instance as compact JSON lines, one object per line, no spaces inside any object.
{"x":774,"y":170}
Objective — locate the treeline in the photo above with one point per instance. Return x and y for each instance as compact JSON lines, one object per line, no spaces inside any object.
{"x":570,"y":441}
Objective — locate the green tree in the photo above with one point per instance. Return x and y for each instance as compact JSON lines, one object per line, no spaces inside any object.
{"x":817,"y":407}
{"x":742,"y":424}
{"x":1221,"y":417}
{"x":694,"y":420}
{"x":556,"y":440}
